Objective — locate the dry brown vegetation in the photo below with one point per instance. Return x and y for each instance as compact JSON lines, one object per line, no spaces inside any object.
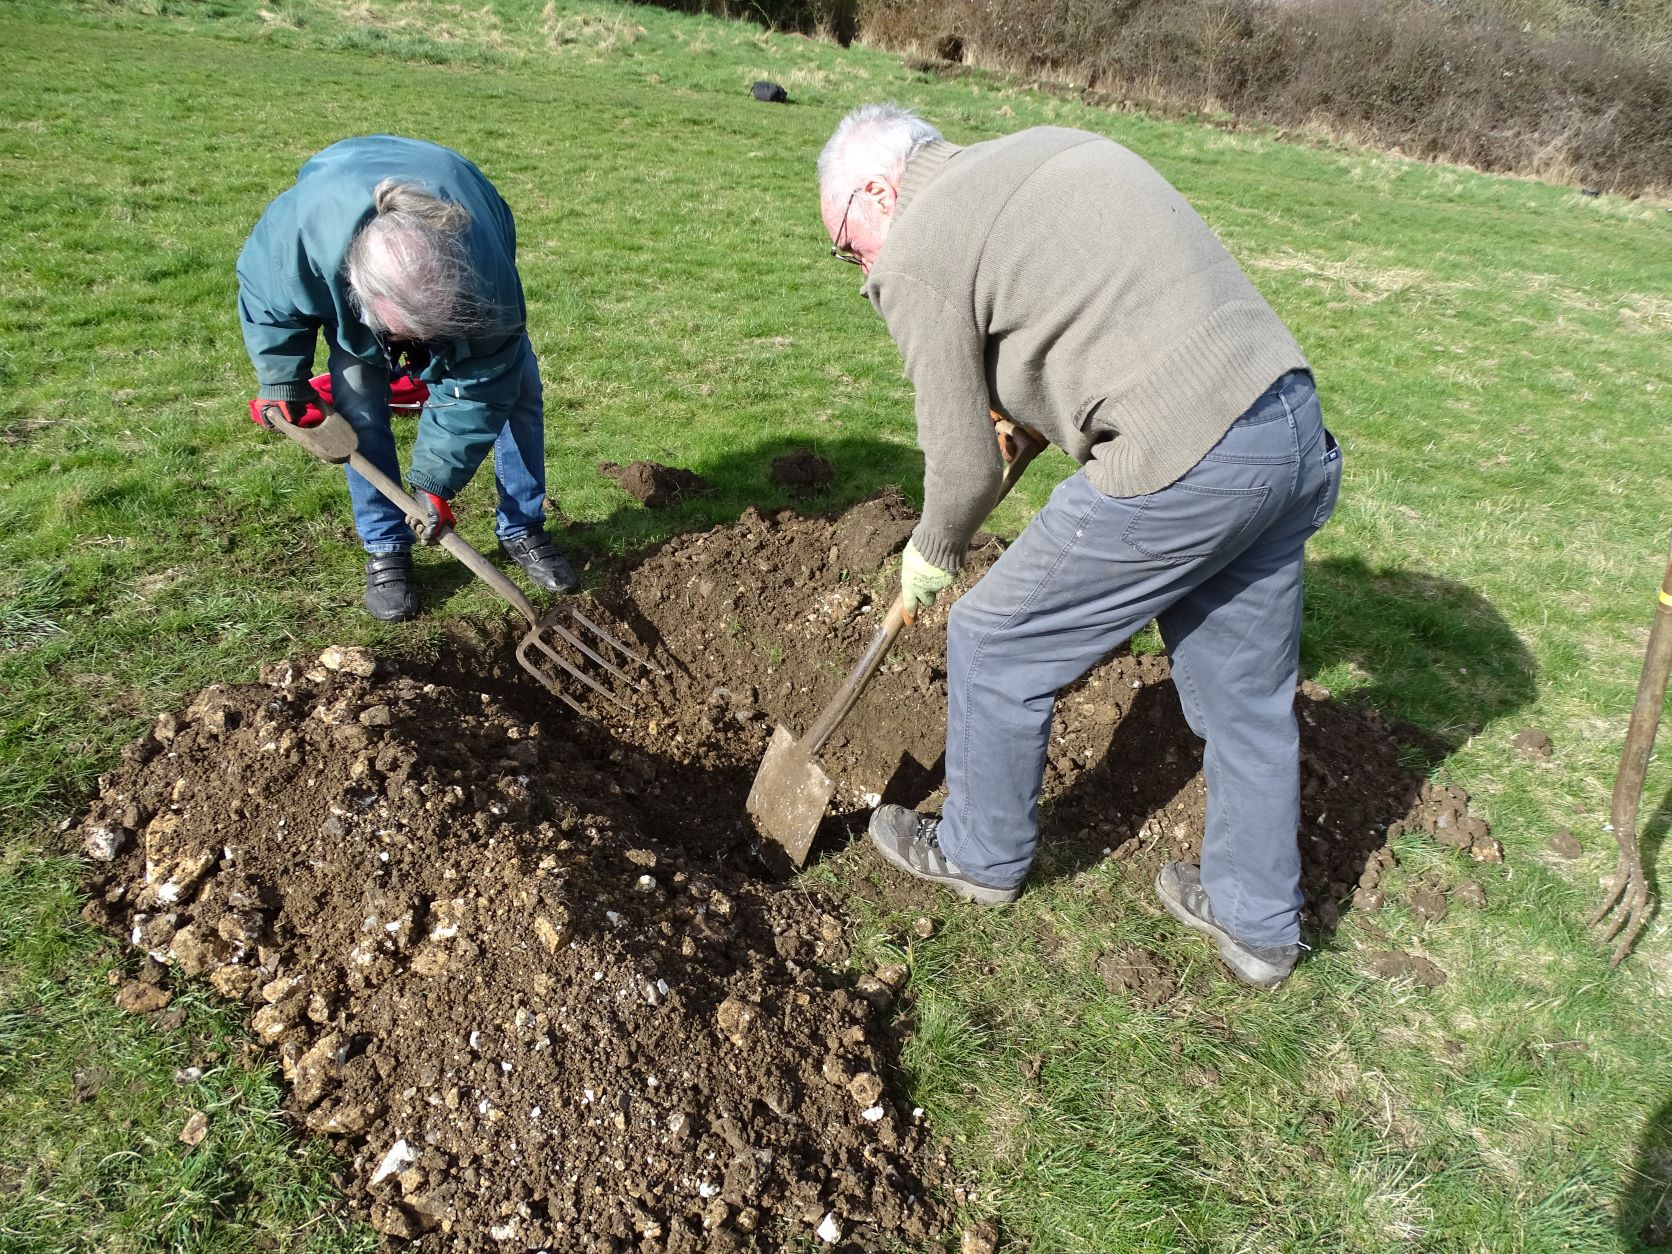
{"x":1570,"y":90}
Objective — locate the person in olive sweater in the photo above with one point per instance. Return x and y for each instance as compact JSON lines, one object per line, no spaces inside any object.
{"x":404,"y":255}
{"x":1056,"y":278}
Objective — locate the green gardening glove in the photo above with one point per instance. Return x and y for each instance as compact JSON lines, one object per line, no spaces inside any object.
{"x":920,"y":581}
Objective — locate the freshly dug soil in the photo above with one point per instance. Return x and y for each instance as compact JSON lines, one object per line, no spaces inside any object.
{"x":766,"y":617}
{"x":539,"y":979}
{"x":803,"y":472}
{"x":515,"y":959}
{"x":652,"y":484}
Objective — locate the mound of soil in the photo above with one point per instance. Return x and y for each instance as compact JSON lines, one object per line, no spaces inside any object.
{"x":511,"y":973}
{"x":539,"y":979}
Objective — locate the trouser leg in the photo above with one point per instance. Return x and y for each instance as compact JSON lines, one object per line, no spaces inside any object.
{"x":519,"y":459}
{"x":360,"y":392}
{"x":1086,"y":573}
{"x":1067,"y":593}
{"x":1234,"y":644}
{"x":1234,"y":641}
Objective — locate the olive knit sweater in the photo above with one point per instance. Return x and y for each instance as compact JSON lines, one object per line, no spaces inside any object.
{"x":1056,"y":277}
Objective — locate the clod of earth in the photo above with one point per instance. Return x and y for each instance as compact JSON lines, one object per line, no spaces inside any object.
{"x":1138,"y":974}
{"x":803,"y":472}
{"x":87,"y":1084}
{"x":1396,"y":964}
{"x":197,"y":1127}
{"x":548,"y":955}
{"x":1428,"y":903}
{"x":138,"y":999}
{"x":1470,"y":893}
{"x":1564,"y":844}
{"x":1531,"y":742}
{"x":652,"y":484}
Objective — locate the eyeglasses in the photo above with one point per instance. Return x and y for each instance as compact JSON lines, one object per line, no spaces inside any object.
{"x":839,"y":250}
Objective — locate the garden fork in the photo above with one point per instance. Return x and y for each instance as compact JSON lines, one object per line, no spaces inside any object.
{"x":333,"y":440}
{"x":1629,"y":889}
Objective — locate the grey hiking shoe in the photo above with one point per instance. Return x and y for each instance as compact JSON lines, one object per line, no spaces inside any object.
{"x":907,"y":840}
{"x":1179,"y":885}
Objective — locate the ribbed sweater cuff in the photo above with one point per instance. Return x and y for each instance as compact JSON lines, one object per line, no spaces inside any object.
{"x":939,"y":550}
{"x":290,"y":390}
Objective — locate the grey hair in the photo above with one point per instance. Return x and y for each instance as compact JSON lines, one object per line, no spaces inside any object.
{"x":410,"y":256}
{"x":872,"y":139}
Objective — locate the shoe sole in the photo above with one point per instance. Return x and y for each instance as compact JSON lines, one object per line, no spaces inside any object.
{"x":1223,"y":940}
{"x":976,"y":894}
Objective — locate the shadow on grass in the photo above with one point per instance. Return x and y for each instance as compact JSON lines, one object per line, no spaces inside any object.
{"x":1645,"y":1208}
{"x":1420,"y":648}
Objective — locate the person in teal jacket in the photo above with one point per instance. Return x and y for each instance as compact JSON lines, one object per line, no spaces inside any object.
{"x":404,"y":255}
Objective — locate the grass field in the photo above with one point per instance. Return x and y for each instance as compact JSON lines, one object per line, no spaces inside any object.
{"x":1493,"y":354}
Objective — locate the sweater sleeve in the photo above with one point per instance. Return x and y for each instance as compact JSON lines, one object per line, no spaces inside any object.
{"x":468,"y":407}
{"x":945,"y":358}
{"x":278,"y":337}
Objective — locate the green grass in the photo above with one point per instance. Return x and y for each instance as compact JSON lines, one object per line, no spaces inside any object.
{"x":1492,"y":354}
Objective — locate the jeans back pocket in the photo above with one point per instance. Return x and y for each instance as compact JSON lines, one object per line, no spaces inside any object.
{"x":1190,"y":522}
{"x":1329,"y":492}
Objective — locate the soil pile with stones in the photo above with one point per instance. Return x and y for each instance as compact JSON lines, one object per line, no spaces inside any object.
{"x":539,"y":979}
{"x":510,"y":972}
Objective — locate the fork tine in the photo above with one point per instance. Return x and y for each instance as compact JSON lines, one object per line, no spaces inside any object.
{"x":546,"y":680}
{"x":570,"y":668}
{"x":615,"y":644}
{"x":572,"y":639}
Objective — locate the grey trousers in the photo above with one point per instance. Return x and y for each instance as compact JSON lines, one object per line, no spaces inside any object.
{"x":1215,"y":558}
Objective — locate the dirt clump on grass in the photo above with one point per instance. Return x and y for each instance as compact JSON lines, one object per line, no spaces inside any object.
{"x":652,"y":484}
{"x":539,"y":979}
{"x":803,"y":472}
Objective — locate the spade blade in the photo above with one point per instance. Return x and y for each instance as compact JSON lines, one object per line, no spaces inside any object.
{"x":790,"y":795}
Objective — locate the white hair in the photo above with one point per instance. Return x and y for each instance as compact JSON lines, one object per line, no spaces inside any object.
{"x":874,"y":139}
{"x":409,"y":259}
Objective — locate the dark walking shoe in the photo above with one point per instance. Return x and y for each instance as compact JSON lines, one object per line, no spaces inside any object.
{"x":907,"y":839}
{"x":541,"y":562}
{"x":390,"y":594}
{"x":1179,"y":885}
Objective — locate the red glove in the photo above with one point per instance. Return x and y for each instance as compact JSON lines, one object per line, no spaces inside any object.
{"x":405,"y":391}
{"x":438,"y":516}
{"x":265,"y":413}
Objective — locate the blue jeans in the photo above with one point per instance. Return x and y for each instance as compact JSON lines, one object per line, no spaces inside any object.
{"x":361,"y":394}
{"x":1214,"y":557}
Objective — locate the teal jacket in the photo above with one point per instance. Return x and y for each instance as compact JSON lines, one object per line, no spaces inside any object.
{"x":291,"y":283}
